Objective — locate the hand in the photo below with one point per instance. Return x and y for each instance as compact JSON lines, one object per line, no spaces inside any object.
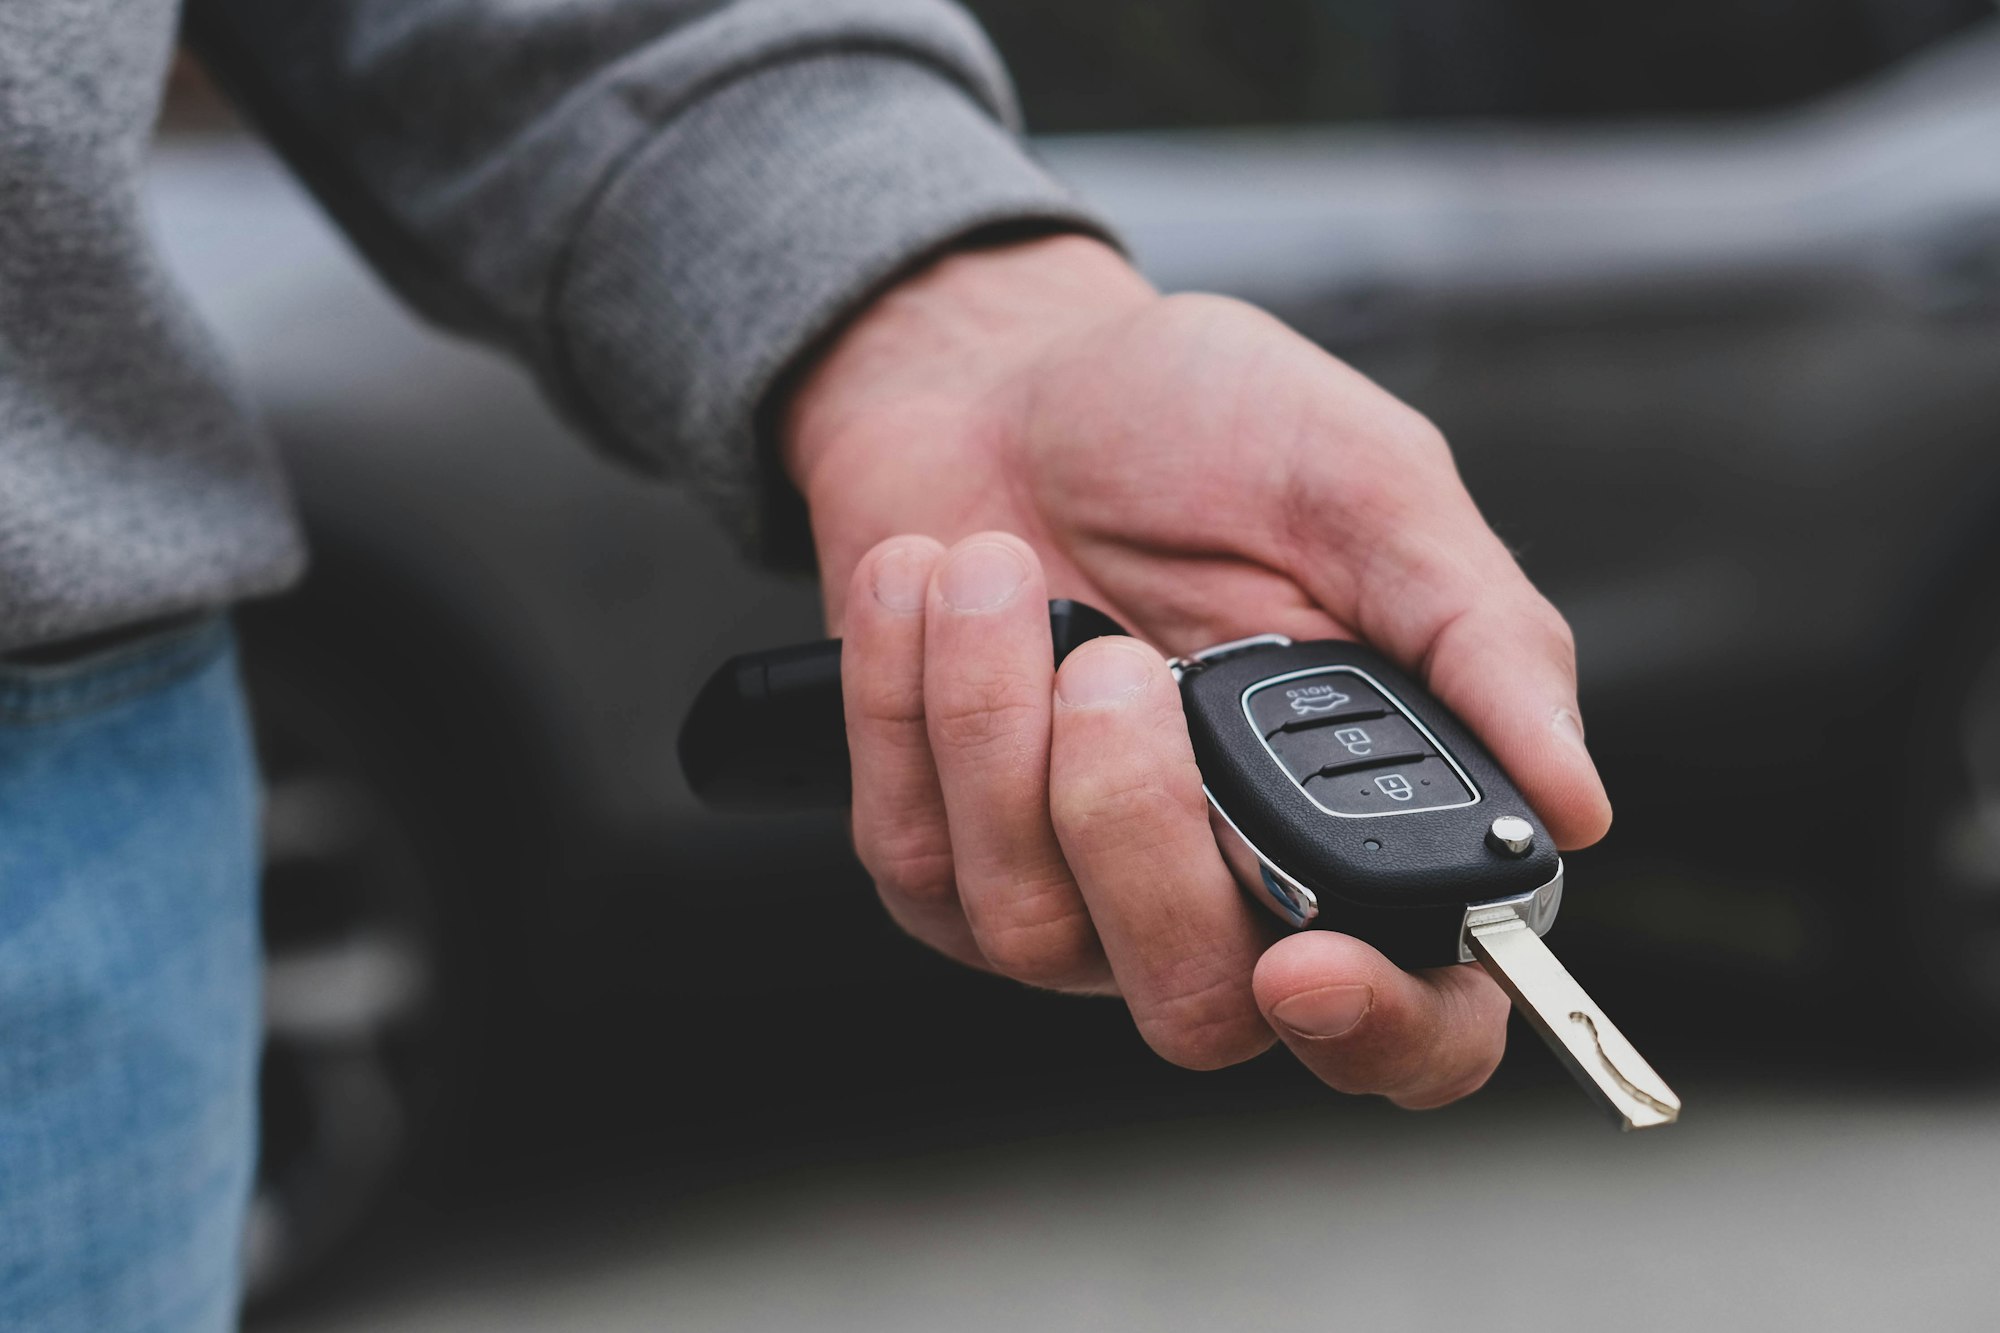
{"x":1034,"y":420}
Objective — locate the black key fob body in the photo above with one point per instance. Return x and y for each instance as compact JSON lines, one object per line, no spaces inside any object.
{"x":1346,"y":798}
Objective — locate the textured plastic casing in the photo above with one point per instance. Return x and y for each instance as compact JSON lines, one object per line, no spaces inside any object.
{"x":1406,"y":894}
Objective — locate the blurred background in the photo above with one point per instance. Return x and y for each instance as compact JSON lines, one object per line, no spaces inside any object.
{"x":1707,"y":297}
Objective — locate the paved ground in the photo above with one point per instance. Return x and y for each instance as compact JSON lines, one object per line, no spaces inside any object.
{"x":1767,"y":1208}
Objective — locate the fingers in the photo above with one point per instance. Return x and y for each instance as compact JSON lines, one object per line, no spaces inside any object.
{"x":1509,"y":671}
{"x":900,"y":832}
{"x":1430,"y":584}
{"x":946,"y":673}
{"x":1054,"y":829}
{"x":1365,"y":1026}
{"x":988,"y":675}
{"x":1133,"y":824}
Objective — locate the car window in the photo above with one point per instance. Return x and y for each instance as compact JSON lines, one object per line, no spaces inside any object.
{"x":1140,"y":64}
{"x":1132,"y":64}
{"x":1568,"y":59}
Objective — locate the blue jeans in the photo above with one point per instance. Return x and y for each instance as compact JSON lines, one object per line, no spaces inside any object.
{"x":128,"y":988}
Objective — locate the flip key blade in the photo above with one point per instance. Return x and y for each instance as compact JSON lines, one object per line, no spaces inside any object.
{"x":1569,"y":1020}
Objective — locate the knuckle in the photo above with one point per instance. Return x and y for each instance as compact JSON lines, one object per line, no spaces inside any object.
{"x":1562,"y":639}
{"x":1108,"y":803}
{"x":914,"y":868}
{"x":883,"y":701}
{"x":1411,"y":430}
{"x":1056,"y":949}
{"x":1547,"y":624}
{"x":979,"y":715}
{"x":1212,"y":1026}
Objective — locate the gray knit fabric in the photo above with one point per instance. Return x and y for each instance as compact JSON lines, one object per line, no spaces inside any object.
{"x":658,"y":204}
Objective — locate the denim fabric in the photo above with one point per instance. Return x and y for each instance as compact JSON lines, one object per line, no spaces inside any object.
{"x":128,"y":988}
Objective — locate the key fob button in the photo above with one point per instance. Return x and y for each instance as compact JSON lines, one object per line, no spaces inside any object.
{"x":1350,"y":743}
{"x":1306,"y":703}
{"x":1427,"y":784}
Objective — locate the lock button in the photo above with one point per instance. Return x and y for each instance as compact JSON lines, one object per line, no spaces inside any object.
{"x":1308,"y":703}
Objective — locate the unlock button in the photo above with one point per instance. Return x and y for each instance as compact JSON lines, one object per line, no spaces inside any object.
{"x":1423,"y":785}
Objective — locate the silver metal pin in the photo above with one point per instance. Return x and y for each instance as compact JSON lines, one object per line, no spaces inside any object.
{"x":1569,"y":1020}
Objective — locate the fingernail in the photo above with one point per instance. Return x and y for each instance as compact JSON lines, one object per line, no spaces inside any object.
{"x":1104,"y":675}
{"x":981,"y":577}
{"x":1570,"y":727}
{"x":900,"y":580}
{"x":1330,"y":1011}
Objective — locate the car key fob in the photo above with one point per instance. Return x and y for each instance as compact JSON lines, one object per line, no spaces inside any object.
{"x":1348,"y":799}
{"x":1343,"y":797}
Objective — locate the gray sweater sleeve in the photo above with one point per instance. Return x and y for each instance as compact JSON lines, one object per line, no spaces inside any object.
{"x":658,"y":204}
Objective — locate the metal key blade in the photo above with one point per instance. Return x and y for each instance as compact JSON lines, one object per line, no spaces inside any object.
{"x":1569,"y":1020}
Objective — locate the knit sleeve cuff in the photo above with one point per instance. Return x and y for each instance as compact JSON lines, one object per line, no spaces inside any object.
{"x":746,"y":230}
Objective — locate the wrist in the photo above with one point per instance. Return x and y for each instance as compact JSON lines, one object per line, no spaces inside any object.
{"x":941,"y":340}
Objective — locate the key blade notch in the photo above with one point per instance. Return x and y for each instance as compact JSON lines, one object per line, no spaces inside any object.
{"x":1608,"y":1066}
